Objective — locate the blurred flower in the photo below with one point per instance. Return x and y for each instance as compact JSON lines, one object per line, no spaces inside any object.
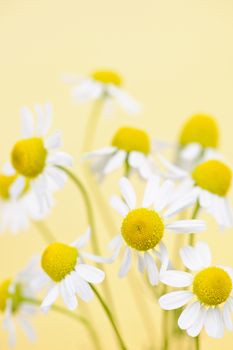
{"x":130,"y":148}
{"x":35,"y":158}
{"x":14,"y":296}
{"x":16,"y":212}
{"x":67,"y":274}
{"x":143,"y":228}
{"x":106,"y":85}
{"x":211,"y":288}
{"x":211,"y":179}
{"x":199,"y":134}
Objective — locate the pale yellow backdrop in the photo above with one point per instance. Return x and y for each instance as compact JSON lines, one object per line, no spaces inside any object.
{"x":176,"y":57}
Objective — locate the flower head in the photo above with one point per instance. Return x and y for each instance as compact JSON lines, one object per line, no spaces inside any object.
{"x":199,"y":134}
{"x":210,"y":290}
{"x":131,"y":148}
{"x":105,"y":85}
{"x":35,"y":158}
{"x":143,"y":228}
{"x":13,"y":301}
{"x":67,"y":274}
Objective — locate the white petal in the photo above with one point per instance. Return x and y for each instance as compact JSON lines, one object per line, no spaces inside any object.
{"x":196,"y":327}
{"x":115,"y":243}
{"x":227,"y":316}
{"x":28,"y":329}
{"x":83,"y":240}
{"x":183,"y":203}
{"x":214,"y":325}
{"x":163,"y":195}
{"x":189,"y":315}
{"x":141,"y":264}
{"x":187,"y":226}
{"x":53,"y":141}
{"x":60,"y":158}
{"x":176,"y":278}
{"x":90,"y":273}
{"x":100,"y":152}
{"x":115,"y":162}
{"x":128,"y":192}
{"x":175,"y":300}
{"x":191,"y":151}
{"x":97,"y":258}
{"x":164,"y":257}
{"x":150,"y":191}
{"x":204,"y":254}
{"x":124,"y":99}
{"x":152,"y":269}
{"x":8,"y":169}
{"x":190,"y":258}
{"x":82,"y":288}
{"x":119,"y":205}
{"x":17,"y":187}
{"x":50,"y":297}
{"x":174,"y":171}
{"x":125,"y":266}
{"x":67,"y":293}
{"x":27,"y":122}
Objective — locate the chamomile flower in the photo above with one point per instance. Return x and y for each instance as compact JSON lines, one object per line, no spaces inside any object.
{"x":67,"y":274}
{"x":211,"y":179}
{"x":210,"y":292}
{"x":14,"y":304}
{"x":143,"y":228}
{"x":106,"y":85}
{"x":17,"y":212}
{"x":35,"y":157}
{"x":199,"y":134}
{"x":131,"y":148}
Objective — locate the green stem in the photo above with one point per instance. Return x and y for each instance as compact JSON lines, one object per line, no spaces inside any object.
{"x":197,"y":343}
{"x":92,"y":125}
{"x":165,"y":326}
{"x":72,"y":315}
{"x":110,"y":317}
{"x":194,"y":216}
{"x":88,"y":205}
{"x":44,"y":232}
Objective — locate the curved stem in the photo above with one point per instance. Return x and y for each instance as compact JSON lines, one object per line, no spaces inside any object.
{"x":44,"y":231}
{"x":92,"y":124}
{"x":197,"y":343}
{"x":72,"y":315}
{"x":88,"y":205}
{"x":194,"y":216}
{"x":110,"y":317}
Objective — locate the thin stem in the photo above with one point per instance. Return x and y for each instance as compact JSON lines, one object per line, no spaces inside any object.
{"x":197,"y":343}
{"x":194,"y":216}
{"x":44,"y":231}
{"x":110,"y":317}
{"x":88,"y":205}
{"x":165,"y":325}
{"x":70,"y":314}
{"x":92,"y":123}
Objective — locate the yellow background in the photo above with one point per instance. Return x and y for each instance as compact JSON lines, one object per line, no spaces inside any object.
{"x":176,"y":58}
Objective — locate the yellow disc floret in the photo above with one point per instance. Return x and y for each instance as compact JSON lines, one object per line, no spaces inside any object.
{"x":202,"y":129}
{"x":4,"y":294}
{"x":58,"y":260}
{"x":107,"y":77}
{"x":212,"y":286}
{"x":142,"y":229}
{"x":29,"y":157}
{"x":5,"y":183}
{"x":213,"y":176}
{"x":132,"y":139}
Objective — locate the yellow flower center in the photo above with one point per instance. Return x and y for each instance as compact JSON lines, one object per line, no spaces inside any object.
{"x":213,"y":176}
{"x":58,"y":260}
{"x":142,"y":229}
{"x":107,"y":77}
{"x":29,"y":157}
{"x":202,"y":129}
{"x":4,"y":286}
{"x":132,"y":139}
{"x":212,"y":286}
{"x":5,"y":184}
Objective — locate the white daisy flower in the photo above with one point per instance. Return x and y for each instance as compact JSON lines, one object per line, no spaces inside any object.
{"x":67,"y":274}
{"x":14,"y":305}
{"x":211,"y":179}
{"x":130,"y":148}
{"x":211,"y":293}
{"x":35,"y":158}
{"x":106,"y":85}
{"x":199,"y":134}
{"x":143,"y":227}
{"x":16,"y":213}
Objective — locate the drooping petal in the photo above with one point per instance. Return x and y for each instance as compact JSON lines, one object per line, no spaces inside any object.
{"x":90,"y":273}
{"x":50,"y":297}
{"x":114,"y":162}
{"x":214,"y":325}
{"x":189,"y":315}
{"x":152,"y":270}
{"x":195,"y":329}
{"x":125,"y":266}
{"x":128,"y":192}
